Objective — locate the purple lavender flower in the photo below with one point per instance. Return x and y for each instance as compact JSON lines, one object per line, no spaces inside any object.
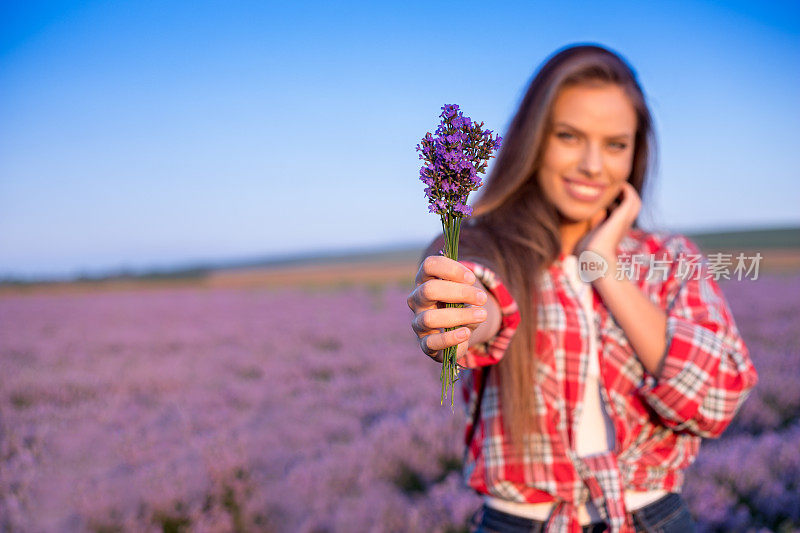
{"x":454,"y":159}
{"x":454,"y":156}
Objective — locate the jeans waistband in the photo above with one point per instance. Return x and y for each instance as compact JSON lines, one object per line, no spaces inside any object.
{"x":661,"y":507}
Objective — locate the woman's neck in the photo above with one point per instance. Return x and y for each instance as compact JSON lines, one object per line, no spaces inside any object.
{"x":571,"y":233}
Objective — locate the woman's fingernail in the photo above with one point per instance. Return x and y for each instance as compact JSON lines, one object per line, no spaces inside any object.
{"x":461,"y":334}
{"x":479,"y":314}
{"x":469,"y":277}
{"x":481,"y":296}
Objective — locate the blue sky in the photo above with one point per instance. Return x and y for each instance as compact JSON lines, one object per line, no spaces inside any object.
{"x":144,"y":134}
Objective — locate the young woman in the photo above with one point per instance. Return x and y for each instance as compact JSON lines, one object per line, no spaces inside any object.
{"x":597,"y":354}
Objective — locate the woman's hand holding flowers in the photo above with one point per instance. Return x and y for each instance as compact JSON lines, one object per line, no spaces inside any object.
{"x":441,"y":280}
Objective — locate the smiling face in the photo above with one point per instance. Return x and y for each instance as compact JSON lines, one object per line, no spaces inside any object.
{"x":588,"y":152}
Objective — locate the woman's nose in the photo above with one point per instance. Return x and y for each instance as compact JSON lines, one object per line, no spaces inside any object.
{"x":591,"y":160}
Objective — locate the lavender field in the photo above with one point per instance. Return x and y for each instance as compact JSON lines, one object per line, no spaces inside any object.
{"x":191,"y":409}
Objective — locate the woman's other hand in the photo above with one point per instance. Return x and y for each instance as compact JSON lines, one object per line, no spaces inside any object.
{"x":442,"y":280}
{"x":605,"y":234}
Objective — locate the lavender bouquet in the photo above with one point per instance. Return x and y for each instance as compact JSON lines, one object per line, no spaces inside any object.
{"x":454,"y":159}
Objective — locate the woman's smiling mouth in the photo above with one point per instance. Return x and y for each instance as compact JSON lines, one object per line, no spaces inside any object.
{"x":581,"y":191}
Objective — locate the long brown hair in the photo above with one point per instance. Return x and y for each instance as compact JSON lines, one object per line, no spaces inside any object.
{"x":515,"y":231}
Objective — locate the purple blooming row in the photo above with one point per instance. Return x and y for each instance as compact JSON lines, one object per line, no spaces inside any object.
{"x":187,"y":409}
{"x":747,"y":483}
{"x":454,"y":159}
{"x":767,"y":316}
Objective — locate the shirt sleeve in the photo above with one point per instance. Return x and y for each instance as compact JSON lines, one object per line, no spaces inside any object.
{"x":706,"y":372}
{"x":493,"y":350}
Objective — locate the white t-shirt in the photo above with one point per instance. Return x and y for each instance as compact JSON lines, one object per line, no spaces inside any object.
{"x":595,"y":428}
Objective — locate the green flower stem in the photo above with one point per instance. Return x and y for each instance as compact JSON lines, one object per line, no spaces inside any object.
{"x":451,"y":225}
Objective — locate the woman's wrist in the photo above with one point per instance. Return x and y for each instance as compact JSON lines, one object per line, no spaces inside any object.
{"x":490,"y":326}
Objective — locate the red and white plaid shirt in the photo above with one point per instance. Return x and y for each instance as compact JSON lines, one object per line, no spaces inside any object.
{"x":707,"y":374}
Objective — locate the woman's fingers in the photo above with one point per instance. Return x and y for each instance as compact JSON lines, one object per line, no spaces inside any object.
{"x":631,"y":202}
{"x":434,"y":319}
{"x":433,"y":344}
{"x":439,"y":266}
{"x":442,"y":280}
{"x":434,"y":291}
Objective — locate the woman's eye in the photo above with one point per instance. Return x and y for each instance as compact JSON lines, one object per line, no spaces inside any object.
{"x":564,"y":135}
{"x":619,"y":146}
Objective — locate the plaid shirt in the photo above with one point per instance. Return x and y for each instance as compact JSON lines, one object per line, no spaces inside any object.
{"x":659,"y":423}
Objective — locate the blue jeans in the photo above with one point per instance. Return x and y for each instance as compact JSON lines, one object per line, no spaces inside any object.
{"x":668,"y":514}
